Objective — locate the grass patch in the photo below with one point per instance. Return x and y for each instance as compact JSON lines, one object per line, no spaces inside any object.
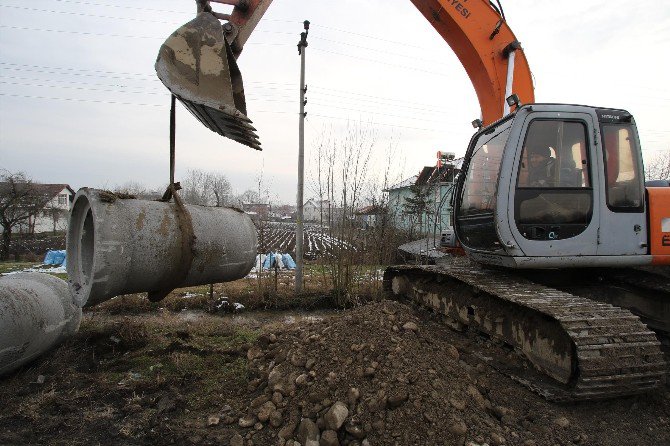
{"x":10,"y":267}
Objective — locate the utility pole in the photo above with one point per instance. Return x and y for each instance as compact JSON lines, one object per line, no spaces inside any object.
{"x":302,"y":48}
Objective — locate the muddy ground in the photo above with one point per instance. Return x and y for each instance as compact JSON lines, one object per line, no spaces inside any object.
{"x":381,"y":374}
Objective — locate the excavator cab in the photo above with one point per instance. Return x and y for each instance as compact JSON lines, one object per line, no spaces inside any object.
{"x":198,"y":65}
{"x":553,"y":186}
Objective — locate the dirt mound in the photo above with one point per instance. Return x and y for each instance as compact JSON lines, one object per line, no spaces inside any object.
{"x":381,"y":374}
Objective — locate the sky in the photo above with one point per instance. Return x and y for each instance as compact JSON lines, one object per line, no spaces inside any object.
{"x":80,"y":102}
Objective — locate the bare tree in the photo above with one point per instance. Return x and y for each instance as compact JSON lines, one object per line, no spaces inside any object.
{"x":206,"y":188}
{"x":659,"y":167}
{"x":138,"y":190}
{"x":19,"y":201}
{"x":249,"y":196}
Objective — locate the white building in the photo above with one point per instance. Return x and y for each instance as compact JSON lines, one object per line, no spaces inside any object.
{"x":54,"y":214}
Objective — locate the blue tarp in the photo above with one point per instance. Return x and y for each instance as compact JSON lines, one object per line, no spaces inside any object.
{"x":285,"y":261}
{"x":288,"y":261}
{"x":55,"y":258}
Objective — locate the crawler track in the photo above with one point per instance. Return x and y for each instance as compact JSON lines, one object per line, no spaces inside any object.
{"x":592,"y":350}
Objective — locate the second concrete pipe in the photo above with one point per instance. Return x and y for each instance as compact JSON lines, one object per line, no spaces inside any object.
{"x":120,"y":246}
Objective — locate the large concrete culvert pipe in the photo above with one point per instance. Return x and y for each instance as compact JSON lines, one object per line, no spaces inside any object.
{"x":36,"y":314}
{"x":120,"y":246}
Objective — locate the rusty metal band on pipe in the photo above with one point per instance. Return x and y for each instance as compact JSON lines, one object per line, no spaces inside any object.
{"x":36,"y":314}
{"x":121,"y":246}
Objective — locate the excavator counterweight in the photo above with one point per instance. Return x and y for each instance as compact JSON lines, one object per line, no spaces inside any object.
{"x":197,"y":65}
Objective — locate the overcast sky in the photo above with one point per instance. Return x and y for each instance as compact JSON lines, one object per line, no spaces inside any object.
{"x":80,"y":102}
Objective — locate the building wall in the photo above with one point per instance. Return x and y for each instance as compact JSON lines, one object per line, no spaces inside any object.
{"x":436,"y":221}
{"x":53,"y":217}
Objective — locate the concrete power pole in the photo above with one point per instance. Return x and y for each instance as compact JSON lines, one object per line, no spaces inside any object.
{"x":302,"y":47}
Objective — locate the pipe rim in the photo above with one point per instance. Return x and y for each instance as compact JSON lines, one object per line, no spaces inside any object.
{"x":81,"y":249}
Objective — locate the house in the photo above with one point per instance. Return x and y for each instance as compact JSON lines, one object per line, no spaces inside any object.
{"x":54,"y":213}
{"x":422,"y":203}
{"x":316,"y":210}
{"x":370,"y":216}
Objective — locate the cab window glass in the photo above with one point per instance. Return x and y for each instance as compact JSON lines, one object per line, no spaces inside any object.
{"x":482,"y":180}
{"x":624,"y":185}
{"x":554,"y":155}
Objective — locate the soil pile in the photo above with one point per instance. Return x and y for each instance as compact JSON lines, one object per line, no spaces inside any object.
{"x":384,"y":375}
{"x":381,"y":374}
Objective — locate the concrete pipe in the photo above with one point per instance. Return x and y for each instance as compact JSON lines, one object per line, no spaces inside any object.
{"x":36,"y":314}
{"x":120,"y":246}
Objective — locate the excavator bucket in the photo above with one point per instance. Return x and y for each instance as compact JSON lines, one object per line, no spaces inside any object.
{"x":197,"y":65}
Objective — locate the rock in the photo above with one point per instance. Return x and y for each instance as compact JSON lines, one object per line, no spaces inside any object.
{"x":308,"y":433}
{"x":397,"y":399}
{"x":213,"y":420}
{"x":365,"y":442}
{"x":499,"y":411}
{"x":253,"y":384}
{"x":286,"y":432}
{"x":496,"y":439}
{"x":355,"y":431}
{"x":286,"y":388}
{"x":301,"y":380}
{"x":562,"y":422}
{"x":277,"y":398}
{"x":273,"y":338}
{"x":329,"y":438}
{"x":247,"y":421}
{"x":254,"y":352}
{"x":453,"y":352}
{"x":457,"y":427}
{"x":336,"y":416}
{"x":481,"y":402}
{"x":274,"y":377}
{"x":259,"y":401}
{"x":369,"y":372}
{"x":276,"y":418}
{"x":309,"y":365}
{"x":265,"y":411}
{"x":410,"y":326}
{"x":298,"y":360}
{"x":236,"y":440}
{"x":353,"y":394}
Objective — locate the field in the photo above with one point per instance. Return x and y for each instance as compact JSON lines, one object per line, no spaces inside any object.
{"x":280,"y":237}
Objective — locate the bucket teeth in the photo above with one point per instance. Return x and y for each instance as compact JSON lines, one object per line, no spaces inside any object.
{"x":197,"y":65}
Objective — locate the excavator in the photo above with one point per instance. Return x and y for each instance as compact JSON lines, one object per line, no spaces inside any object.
{"x":566,"y":248}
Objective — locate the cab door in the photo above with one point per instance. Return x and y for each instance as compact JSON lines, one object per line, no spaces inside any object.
{"x":623,"y":225}
{"x":552,"y":211}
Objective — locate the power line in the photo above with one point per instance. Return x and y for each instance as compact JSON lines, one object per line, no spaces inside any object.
{"x":52,"y":98}
{"x":393,"y":53}
{"x":74,"y":69}
{"x":81,"y":100}
{"x":82,"y":14}
{"x":81,"y":88}
{"x":381,"y":62}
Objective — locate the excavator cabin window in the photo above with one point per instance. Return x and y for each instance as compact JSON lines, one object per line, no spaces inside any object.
{"x":554,"y":197}
{"x":622,"y":164}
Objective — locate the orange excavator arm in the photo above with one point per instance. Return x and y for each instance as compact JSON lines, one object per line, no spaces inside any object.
{"x":475,"y":30}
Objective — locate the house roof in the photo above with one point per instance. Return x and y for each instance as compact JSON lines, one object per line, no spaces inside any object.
{"x":48,"y":191}
{"x":405,"y":183}
{"x":51,"y":190}
{"x":370,"y":210}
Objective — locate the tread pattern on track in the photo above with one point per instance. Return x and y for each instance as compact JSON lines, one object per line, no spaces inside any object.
{"x":617,"y":355}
